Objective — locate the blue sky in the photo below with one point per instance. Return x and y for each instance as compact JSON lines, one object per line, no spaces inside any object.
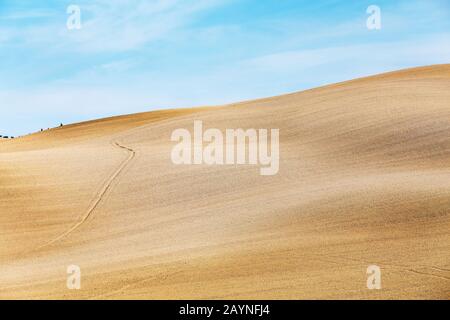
{"x":131,"y":56}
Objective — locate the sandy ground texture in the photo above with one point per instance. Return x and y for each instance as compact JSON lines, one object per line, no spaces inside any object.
{"x":364,"y":179}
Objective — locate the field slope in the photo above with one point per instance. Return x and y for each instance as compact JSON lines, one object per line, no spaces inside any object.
{"x":364,"y":179}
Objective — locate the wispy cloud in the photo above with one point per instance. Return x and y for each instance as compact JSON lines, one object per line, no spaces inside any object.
{"x":108,"y":25}
{"x":28,"y":14}
{"x":422,"y":49}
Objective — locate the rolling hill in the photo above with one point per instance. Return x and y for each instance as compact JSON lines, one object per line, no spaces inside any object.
{"x":364,"y":179}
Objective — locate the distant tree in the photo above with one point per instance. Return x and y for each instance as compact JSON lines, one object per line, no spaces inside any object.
{"x":61,"y":124}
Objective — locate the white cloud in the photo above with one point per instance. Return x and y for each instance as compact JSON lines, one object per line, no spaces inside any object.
{"x":30,"y":14}
{"x":122,"y":25}
{"x":430,"y":49}
{"x":110,"y":25}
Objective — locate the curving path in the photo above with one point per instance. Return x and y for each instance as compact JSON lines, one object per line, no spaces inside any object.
{"x":96,"y":201}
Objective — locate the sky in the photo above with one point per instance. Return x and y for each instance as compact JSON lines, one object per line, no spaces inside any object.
{"x":134,"y":55}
